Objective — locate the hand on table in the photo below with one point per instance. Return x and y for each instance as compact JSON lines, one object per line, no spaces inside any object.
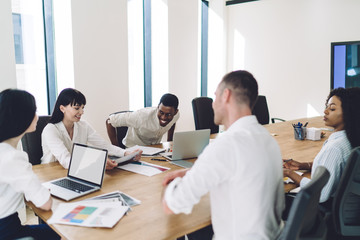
{"x":287,"y":172}
{"x":291,"y":164}
{"x":172,"y":175}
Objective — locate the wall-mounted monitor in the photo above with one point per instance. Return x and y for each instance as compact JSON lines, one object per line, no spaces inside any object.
{"x":345,"y":64}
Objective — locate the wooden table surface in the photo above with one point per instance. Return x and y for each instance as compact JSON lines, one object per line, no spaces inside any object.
{"x":147,"y":220}
{"x":299,"y":150}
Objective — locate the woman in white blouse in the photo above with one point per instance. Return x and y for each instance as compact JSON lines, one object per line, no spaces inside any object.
{"x":17,"y":180}
{"x":66,"y":127}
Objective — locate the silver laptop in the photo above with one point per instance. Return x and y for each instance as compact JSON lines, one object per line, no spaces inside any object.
{"x":85,"y":173}
{"x":187,"y":145}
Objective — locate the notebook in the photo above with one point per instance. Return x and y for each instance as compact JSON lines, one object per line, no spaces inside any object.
{"x":187,"y":145}
{"x":85,"y":173}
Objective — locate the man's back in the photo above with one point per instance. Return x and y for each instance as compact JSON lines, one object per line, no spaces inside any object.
{"x":252,"y":192}
{"x":242,"y":169}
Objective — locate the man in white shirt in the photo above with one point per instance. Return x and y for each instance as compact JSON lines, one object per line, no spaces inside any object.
{"x":148,"y":125}
{"x":241,"y":168}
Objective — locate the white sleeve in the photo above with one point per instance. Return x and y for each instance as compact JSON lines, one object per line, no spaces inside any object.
{"x":333,"y":164}
{"x":21,"y":178}
{"x":52,"y":139}
{"x":126,"y":119}
{"x":97,"y":141}
{"x":207,"y":172}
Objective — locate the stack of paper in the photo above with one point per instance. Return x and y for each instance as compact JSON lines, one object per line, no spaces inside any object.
{"x":89,"y":214}
{"x":100,"y":211}
{"x":149,"y":151}
{"x":288,"y":180}
{"x":144,"y":168}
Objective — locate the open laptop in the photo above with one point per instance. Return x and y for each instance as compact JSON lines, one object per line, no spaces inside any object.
{"x":187,"y":145}
{"x":85,"y":173}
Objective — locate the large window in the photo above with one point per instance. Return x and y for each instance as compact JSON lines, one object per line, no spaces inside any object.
{"x":148,"y":52}
{"x":136,"y":54}
{"x":29,"y":50}
{"x":34,"y":23}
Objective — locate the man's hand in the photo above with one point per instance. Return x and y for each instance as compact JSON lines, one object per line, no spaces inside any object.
{"x":172,"y":175}
{"x":110,"y":164}
{"x":166,"y":209}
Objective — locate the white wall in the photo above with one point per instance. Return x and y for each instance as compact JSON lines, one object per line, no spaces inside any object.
{"x":101,"y":57}
{"x":183,"y":57}
{"x":7,"y":51}
{"x":287,"y":48}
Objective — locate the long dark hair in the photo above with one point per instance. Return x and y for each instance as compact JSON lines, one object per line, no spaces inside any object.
{"x":66,"y":97}
{"x":17,"y":111}
{"x":350,"y":104}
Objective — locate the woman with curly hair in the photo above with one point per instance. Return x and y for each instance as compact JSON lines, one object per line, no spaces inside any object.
{"x":342,"y":112}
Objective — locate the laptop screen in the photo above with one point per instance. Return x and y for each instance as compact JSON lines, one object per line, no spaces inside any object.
{"x":87,"y":163}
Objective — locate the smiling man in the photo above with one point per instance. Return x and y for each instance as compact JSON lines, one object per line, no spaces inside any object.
{"x":148,"y":125}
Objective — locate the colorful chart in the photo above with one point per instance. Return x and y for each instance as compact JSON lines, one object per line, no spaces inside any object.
{"x":79,"y":214}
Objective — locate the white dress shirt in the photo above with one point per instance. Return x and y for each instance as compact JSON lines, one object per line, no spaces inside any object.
{"x":16,"y":180}
{"x":242,"y":170}
{"x":144,"y":127}
{"x":333,"y":155}
{"x":57,"y":145}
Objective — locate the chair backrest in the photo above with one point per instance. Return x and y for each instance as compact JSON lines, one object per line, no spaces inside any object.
{"x":304,"y":219}
{"x":31,"y":142}
{"x":261,"y":110}
{"x":346,"y":202}
{"x":204,"y":114}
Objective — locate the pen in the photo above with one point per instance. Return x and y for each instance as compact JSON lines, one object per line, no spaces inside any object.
{"x":159,"y":159}
{"x":306,"y":124}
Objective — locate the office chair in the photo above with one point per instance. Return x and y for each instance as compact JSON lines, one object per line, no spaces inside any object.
{"x":305,"y":220}
{"x":31,"y":142}
{"x":204,"y":114}
{"x":120,"y":134}
{"x":346,"y":202}
{"x":261,"y":111}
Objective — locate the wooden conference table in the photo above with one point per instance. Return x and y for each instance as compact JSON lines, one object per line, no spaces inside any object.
{"x":147,"y":220}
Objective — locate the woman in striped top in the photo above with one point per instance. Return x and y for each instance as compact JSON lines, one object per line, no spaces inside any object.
{"x":342,"y":112}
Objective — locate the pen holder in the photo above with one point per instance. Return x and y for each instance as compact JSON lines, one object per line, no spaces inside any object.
{"x":299,"y":133}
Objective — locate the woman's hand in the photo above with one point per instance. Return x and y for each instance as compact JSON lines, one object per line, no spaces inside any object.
{"x":110,"y":164}
{"x":137,"y":157}
{"x":291,"y":164}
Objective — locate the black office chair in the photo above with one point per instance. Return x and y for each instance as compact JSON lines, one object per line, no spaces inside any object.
{"x":120,"y":134}
{"x":261,"y":111}
{"x":346,"y":202}
{"x":31,"y":142}
{"x":204,"y":114}
{"x":304,"y":220}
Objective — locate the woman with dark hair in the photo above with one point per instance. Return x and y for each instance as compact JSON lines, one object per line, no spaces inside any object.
{"x":17,"y":180}
{"x":342,"y":113}
{"x":66,"y":127}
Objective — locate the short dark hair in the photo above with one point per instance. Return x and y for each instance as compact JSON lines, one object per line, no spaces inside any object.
{"x":243,"y":85}
{"x":350,"y":104}
{"x":17,"y":111}
{"x":170,"y":100}
{"x":66,"y":97}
